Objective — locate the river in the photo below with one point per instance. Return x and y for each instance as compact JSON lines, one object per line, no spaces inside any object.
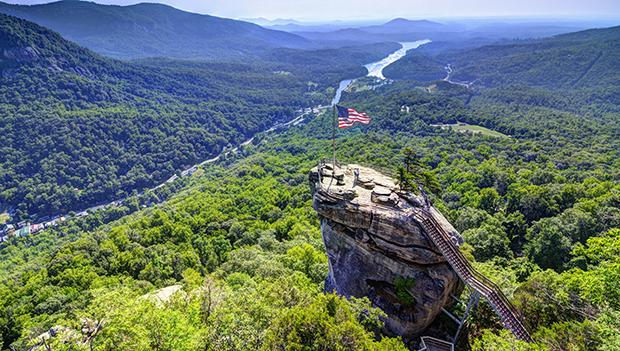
{"x":375,"y":69}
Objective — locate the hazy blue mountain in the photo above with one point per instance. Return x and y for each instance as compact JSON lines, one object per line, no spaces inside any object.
{"x":582,"y":59}
{"x":349,"y":36}
{"x":402,"y":25}
{"x":523,"y":30}
{"x":261,"y":21}
{"x":295,"y":27}
{"x":586,"y":58}
{"x":151,"y":30}
{"x":454,"y":32}
{"x":399,"y":29}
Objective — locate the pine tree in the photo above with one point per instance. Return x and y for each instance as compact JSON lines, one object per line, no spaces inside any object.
{"x":414,"y":176}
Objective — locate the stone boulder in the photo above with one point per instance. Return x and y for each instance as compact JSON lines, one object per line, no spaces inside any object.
{"x":377,"y":250}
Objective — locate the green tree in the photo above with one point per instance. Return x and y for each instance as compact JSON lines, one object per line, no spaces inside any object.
{"x":489,"y":200}
{"x":328,"y":323}
{"x":547,"y":245}
{"x":505,"y":341}
{"x":489,"y":241}
{"x":413,"y":174}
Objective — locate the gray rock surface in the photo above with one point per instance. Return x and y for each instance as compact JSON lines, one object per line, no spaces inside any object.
{"x":21,"y":54}
{"x":376,"y":249}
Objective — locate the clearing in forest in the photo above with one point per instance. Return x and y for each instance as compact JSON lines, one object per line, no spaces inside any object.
{"x":472,"y":128}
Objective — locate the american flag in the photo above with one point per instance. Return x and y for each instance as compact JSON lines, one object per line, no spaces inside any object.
{"x":347,"y":117}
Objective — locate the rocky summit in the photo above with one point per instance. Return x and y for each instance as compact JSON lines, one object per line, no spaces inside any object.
{"x":378,"y":250}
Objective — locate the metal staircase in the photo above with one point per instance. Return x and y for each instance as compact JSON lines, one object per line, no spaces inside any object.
{"x":507,"y":313}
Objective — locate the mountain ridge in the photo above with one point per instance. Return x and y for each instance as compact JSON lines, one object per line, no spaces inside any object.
{"x":58,"y":99}
{"x":573,"y":60}
{"x":153,"y":30}
{"x":413,"y":25}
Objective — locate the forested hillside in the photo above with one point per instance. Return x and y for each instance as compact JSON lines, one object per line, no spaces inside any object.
{"x":583,"y":60}
{"x":416,"y":66}
{"x":153,"y":30}
{"x":577,"y":60}
{"x":79,"y":128}
{"x":536,"y":209}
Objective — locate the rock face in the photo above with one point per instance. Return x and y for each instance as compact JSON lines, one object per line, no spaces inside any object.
{"x":376,"y":249}
{"x":21,"y":54}
{"x":16,"y":56}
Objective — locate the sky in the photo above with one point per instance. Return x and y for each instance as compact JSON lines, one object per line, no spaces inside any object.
{"x":316,"y":10}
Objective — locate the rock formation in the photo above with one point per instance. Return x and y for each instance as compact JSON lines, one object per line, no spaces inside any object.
{"x":376,"y":249}
{"x":21,"y":54}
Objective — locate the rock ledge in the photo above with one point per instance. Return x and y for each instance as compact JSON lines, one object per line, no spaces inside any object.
{"x":378,"y":250}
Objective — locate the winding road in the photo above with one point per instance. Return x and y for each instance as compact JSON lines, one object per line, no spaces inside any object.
{"x":449,"y":73}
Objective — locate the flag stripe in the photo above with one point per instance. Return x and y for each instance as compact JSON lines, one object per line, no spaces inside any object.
{"x":351,"y":120}
{"x":347,"y":117}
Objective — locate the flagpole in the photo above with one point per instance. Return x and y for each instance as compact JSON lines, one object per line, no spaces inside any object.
{"x":334,"y":138}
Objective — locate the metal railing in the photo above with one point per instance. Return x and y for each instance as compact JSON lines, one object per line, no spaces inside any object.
{"x":508,"y":314}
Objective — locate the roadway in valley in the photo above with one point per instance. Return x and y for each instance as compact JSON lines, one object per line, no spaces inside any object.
{"x":448,"y":78}
{"x":375,"y":69}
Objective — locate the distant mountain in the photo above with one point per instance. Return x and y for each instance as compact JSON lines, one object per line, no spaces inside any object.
{"x":261,"y":21}
{"x":584,"y":36}
{"x":587,"y":59}
{"x":525,"y":30}
{"x":398,"y":29}
{"x":401,"y":25}
{"x":453,"y":33}
{"x":153,"y":30}
{"x":295,"y":26}
{"x":348,"y":36}
{"x":403,"y":22}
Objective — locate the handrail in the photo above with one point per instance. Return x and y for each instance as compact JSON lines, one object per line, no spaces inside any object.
{"x":510,"y":316}
{"x":433,"y":344}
